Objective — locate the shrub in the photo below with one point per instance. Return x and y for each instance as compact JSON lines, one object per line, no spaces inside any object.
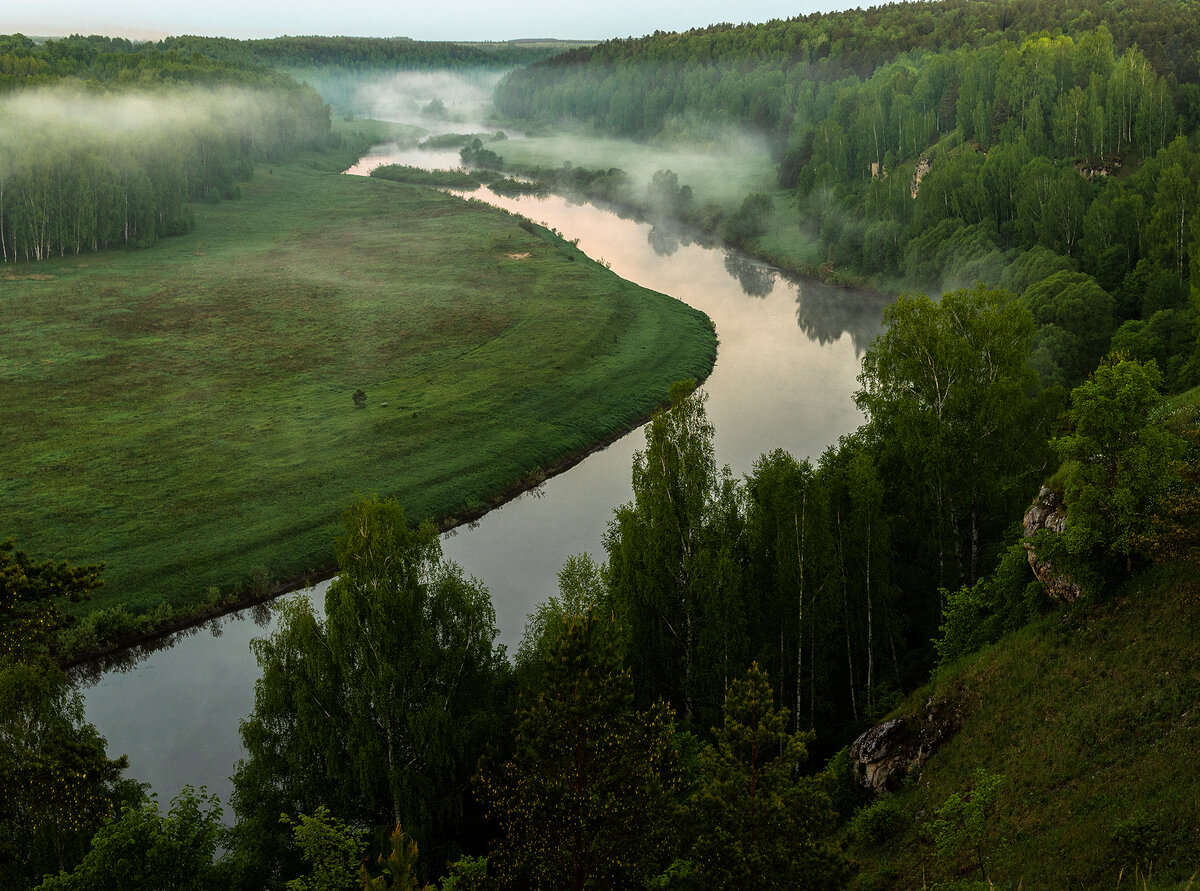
{"x":879,"y":821}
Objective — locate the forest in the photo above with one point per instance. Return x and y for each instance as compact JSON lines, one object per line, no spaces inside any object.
{"x":103,"y":148}
{"x":1049,"y":162}
{"x":680,"y":715}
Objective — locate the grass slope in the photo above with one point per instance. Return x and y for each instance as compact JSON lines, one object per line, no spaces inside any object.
{"x":1092,"y":717}
{"x":185,"y":414}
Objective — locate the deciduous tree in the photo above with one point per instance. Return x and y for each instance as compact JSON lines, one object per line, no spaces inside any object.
{"x":381,"y":710}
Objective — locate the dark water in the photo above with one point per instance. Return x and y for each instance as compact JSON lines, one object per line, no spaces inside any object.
{"x":786,"y":370}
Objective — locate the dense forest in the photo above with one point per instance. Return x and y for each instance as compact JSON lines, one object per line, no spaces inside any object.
{"x":1046,"y":148}
{"x":679,"y":716}
{"x":104,"y":146}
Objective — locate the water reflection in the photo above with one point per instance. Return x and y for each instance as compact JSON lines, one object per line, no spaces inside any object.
{"x":176,"y":711}
{"x":757,"y":279}
{"x":260,"y":615}
{"x":827,"y":312}
{"x":663,"y":240}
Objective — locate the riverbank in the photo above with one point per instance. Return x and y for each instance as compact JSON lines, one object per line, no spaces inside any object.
{"x":703,"y":193}
{"x":187,"y":414}
{"x":130,"y":645}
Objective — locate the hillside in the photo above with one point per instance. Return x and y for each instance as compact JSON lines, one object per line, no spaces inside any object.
{"x":1090,"y":716}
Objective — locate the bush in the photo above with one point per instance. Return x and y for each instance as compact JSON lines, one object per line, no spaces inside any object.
{"x":983,"y":613}
{"x":1138,"y":843}
{"x":879,"y":821}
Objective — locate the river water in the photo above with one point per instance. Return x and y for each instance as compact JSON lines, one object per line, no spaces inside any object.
{"x":786,"y":370}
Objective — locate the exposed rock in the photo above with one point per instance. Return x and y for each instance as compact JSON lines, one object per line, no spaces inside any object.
{"x":1102,"y":168}
{"x":924,"y":164}
{"x":1047,"y":514}
{"x":886,"y":754}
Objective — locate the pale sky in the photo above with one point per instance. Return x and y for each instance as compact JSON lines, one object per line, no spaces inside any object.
{"x":464,"y":20}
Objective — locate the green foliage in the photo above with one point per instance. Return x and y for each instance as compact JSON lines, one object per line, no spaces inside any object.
{"x":980,"y":614}
{"x":759,"y":822}
{"x":417,"y":176}
{"x":877,"y":823}
{"x":474,"y":155}
{"x":1139,"y":842}
{"x":790,"y":543}
{"x":582,"y":593}
{"x":382,"y":710}
{"x":332,"y":850}
{"x":672,"y":563}
{"x":398,"y":869}
{"x":1121,"y":458}
{"x":954,"y":404}
{"x":466,"y":874}
{"x":363,"y":54}
{"x":1074,"y":303}
{"x":57,"y":784}
{"x":28,"y":612}
{"x":144,"y":850}
{"x":586,"y":799}
{"x":965,"y":824}
{"x":750,"y":220}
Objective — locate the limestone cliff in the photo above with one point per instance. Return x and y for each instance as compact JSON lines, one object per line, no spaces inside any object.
{"x":883,"y":757}
{"x":1047,"y":514}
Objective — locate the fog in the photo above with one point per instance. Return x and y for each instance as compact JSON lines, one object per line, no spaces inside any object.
{"x":85,"y":170}
{"x":701,"y":154}
{"x":74,"y":117}
{"x":404,"y":96}
{"x":722,"y":167}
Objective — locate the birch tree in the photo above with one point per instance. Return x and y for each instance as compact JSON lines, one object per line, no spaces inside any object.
{"x":380,"y":710}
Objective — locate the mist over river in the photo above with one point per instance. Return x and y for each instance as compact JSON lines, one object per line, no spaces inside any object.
{"x":786,"y":371}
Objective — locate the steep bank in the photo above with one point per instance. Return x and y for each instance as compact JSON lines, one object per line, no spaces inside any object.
{"x":1091,"y":718}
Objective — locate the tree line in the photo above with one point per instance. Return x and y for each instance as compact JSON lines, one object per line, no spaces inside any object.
{"x":750,"y":74}
{"x":1060,"y":164}
{"x":113,"y":158}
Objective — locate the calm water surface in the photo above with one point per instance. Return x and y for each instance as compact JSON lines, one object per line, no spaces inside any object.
{"x":786,"y":370}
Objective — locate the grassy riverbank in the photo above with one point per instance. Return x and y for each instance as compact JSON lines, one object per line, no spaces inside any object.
{"x":186,"y":413}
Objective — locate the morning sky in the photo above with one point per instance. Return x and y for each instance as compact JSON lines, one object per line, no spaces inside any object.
{"x":463,"y":20}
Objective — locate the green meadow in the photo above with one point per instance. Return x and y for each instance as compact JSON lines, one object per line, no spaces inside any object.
{"x":186,"y":413}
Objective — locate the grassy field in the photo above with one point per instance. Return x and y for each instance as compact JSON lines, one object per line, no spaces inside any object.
{"x":185,"y":413}
{"x":1090,"y":718}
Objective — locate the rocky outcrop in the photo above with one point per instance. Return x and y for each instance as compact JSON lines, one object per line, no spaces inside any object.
{"x":883,"y":757}
{"x":1103,"y":168}
{"x":924,"y":165}
{"x":1047,"y":514}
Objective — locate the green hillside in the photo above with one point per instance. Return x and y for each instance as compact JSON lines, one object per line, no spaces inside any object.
{"x":1090,"y":717}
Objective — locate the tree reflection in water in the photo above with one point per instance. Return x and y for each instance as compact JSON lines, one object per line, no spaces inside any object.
{"x":757,"y":279}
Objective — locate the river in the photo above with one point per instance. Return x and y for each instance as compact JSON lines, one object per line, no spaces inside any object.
{"x":786,"y":371}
